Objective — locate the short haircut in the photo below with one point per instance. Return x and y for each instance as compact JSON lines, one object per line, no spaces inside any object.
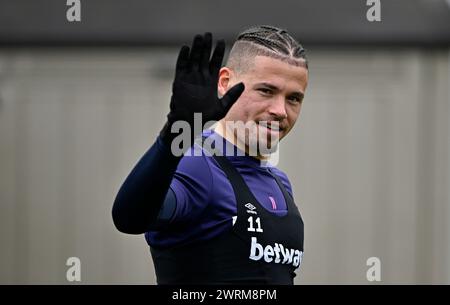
{"x":265,"y":40}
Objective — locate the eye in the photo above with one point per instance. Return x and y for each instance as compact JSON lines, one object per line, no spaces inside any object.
{"x":265,"y":91}
{"x":294,"y":99}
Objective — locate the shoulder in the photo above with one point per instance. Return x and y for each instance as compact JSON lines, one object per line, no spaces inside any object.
{"x":194,"y":162}
{"x":192,"y":184}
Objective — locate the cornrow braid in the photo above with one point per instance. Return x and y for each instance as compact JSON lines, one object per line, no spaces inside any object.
{"x":269,"y":41}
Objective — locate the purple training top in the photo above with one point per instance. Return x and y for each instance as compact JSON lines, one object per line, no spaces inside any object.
{"x":205,"y":198}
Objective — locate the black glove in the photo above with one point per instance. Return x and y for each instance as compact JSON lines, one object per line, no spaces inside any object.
{"x":195,"y":86}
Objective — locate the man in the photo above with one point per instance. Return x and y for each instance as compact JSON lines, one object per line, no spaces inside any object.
{"x":223,"y":216}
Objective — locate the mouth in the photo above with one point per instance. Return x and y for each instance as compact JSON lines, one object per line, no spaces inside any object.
{"x":272,"y":126}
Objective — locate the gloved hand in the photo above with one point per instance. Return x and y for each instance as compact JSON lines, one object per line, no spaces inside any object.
{"x":195,"y":86}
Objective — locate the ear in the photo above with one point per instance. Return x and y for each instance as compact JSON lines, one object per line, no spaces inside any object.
{"x":223,"y":84}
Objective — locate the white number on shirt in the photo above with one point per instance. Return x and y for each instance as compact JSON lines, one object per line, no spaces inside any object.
{"x":251,"y":227}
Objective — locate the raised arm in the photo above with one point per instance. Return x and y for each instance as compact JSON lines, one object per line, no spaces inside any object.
{"x":144,"y":194}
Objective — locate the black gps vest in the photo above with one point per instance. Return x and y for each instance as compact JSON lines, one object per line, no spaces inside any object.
{"x":260,"y":248}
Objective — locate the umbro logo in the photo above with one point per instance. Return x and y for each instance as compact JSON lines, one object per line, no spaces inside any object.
{"x":250,"y":208}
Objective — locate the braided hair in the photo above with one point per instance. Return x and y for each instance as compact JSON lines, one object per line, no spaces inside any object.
{"x":265,"y":40}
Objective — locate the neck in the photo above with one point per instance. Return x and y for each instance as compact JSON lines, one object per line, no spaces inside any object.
{"x":231,"y":137}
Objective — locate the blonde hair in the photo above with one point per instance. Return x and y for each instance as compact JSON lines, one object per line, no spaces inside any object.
{"x":268,"y":41}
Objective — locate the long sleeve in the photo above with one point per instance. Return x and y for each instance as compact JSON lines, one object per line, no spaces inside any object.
{"x":145,"y":190}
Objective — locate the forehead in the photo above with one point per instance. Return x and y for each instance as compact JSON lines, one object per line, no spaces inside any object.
{"x":268,"y":69}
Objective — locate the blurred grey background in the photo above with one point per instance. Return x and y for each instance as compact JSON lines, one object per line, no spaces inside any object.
{"x":369,"y":159}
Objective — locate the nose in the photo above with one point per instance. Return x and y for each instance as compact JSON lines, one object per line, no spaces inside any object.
{"x":277,"y":108}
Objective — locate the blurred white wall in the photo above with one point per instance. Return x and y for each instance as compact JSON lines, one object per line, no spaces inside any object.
{"x":369,"y":161}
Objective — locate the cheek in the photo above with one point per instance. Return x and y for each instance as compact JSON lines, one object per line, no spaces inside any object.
{"x":293,"y":113}
{"x":257,"y":105}
{"x":243,"y":109}
{"x":249,"y":107}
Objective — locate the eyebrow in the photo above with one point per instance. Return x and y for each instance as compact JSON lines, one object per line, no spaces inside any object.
{"x":298,"y":94}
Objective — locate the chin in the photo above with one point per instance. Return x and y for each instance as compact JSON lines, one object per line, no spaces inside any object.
{"x":268,"y":147}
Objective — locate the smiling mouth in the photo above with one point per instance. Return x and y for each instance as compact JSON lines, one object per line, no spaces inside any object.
{"x":273,"y":127}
